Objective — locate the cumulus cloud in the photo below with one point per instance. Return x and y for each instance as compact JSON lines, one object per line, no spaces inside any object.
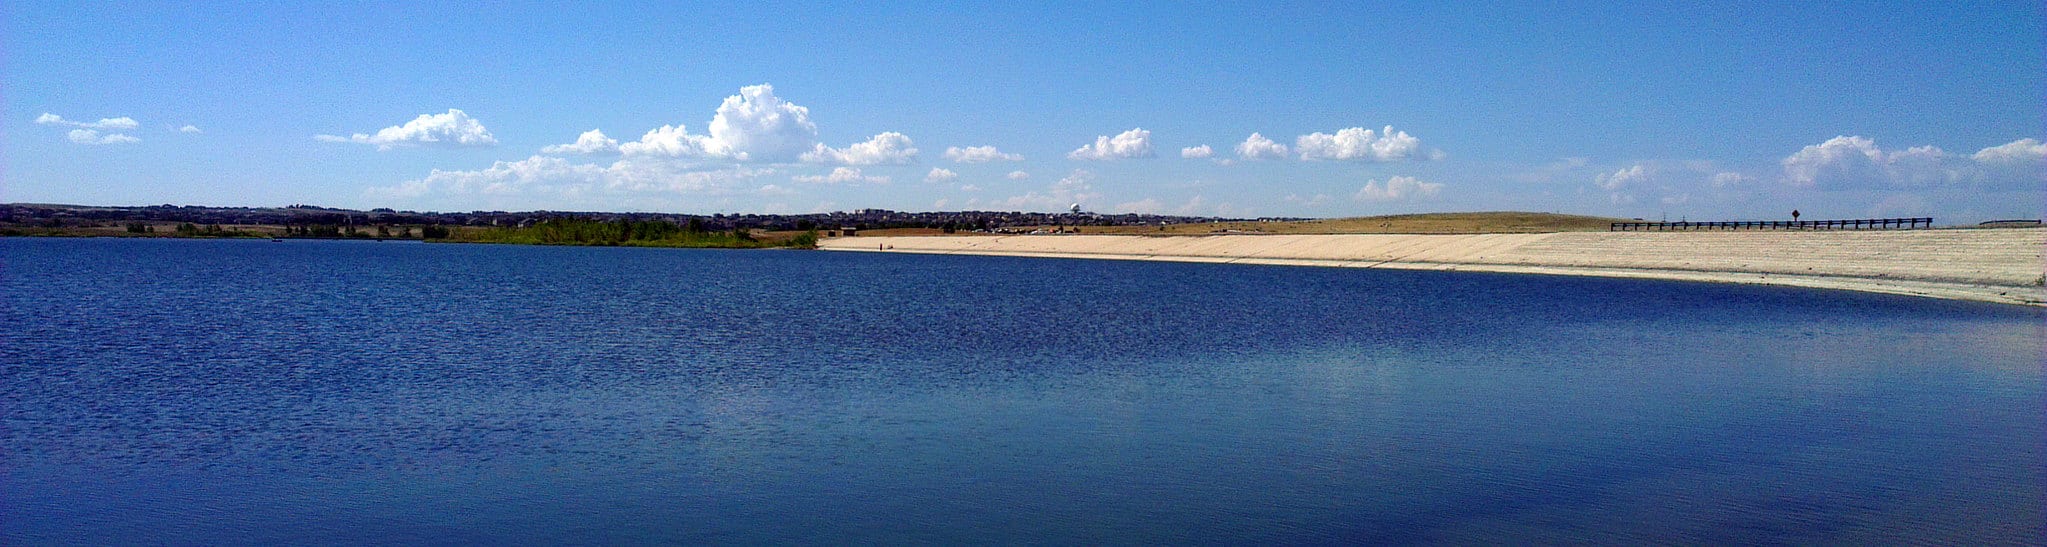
{"x":1135,"y":143}
{"x":979,"y":154}
{"x":2018,"y":151}
{"x":123,"y":122}
{"x":90,"y":132}
{"x":1397,"y":189}
{"x":1197,"y":152}
{"x":1357,"y":143}
{"x":554,"y":177}
{"x":1728,"y":178}
{"x":886,"y":148}
{"x":591,"y":142}
{"x":2019,"y":163}
{"x":668,"y":141}
{"x":1257,"y":147}
{"x":1623,"y":178}
{"x":1857,"y":162}
{"x":451,"y":129}
{"x":940,"y":175}
{"x":190,"y":129}
{"x":1076,"y":188}
{"x":753,"y":126}
{"x":88,"y":136}
{"x":841,"y":175}
{"x":1017,"y":175}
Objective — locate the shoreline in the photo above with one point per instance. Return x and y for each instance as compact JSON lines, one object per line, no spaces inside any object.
{"x":1988,"y":265}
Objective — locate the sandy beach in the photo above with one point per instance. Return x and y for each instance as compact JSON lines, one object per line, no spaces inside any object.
{"x":1993,"y":265}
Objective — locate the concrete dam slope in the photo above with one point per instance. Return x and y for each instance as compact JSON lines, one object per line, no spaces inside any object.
{"x":1994,"y":265}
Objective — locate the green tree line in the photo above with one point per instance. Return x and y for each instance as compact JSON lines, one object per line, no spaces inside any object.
{"x":623,"y":232}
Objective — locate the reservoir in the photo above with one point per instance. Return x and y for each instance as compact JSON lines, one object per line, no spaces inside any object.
{"x":220,"y":392}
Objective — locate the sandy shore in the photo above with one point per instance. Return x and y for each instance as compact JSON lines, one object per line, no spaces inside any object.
{"x":1994,"y":265}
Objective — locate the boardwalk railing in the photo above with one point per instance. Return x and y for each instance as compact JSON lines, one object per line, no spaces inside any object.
{"x":1854,"y":224}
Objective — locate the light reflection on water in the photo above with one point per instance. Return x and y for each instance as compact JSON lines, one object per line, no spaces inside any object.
{"x":220,"y":392}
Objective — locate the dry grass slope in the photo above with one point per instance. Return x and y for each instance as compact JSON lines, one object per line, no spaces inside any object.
{"x":1501,"y":222}
{"x":1997,"y":265}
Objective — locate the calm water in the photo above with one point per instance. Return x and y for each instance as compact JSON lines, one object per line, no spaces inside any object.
{"x":248,"y":392}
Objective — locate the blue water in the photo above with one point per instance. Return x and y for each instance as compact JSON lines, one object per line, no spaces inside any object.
{"x":333,"y":392}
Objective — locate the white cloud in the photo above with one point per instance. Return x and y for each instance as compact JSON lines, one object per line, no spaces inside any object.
{"x":886,"y":148}
{"x":1135,"y":143}
{"x":1357,"y":143}
{"x":123,"y":122}
{"x":1397,"y":189}
{"x":774,"y":190}
{"x":2017,"y":164}
{"x":591,"y":142}
{"x":88,"y":136}
{"x":668,"y":140}
{"x":89,"y":132}
{"x":1618,"y":183}
{"x":1197,"y":152}
{"x":454,"y":128}
{"x":190,"y":129}
{"x":1017,"y":175}
{"x":1076,"y":188}
{"x":1856,"y":162}
{"x":969,"y":188}
{"x":940,"y":175}
{"x":554,"y":177}
{"x":1257,"y":147}
{"x":979,"y":154}
{"x":1728,"y":178}
{"x":2018,"y":151}
{"x":1623,"y":178}
{"x":753,"y":126}
{"x":841,"y":175}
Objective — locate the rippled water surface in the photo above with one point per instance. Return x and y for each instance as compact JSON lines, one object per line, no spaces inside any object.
{"x":249,"y":392}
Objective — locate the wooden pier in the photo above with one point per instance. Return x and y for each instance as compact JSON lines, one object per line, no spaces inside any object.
{"x":1851,"y":224}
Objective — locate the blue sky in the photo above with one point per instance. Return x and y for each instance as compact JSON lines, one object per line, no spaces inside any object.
{"x":1736,"y":111}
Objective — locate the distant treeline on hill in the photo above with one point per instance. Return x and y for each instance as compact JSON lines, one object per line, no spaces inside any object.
{"x":625,"y":232}
{"x":56,"y":216}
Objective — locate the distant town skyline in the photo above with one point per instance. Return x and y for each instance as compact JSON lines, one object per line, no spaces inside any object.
{"x":1745,"y":111}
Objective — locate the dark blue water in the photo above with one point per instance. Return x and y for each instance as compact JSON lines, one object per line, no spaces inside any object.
{"x":249,"y":392}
